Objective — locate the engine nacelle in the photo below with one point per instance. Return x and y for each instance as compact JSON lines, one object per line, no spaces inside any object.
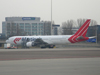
{"x":30,"y":44}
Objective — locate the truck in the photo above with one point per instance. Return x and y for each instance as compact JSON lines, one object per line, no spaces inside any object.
{"x":9,"y":46}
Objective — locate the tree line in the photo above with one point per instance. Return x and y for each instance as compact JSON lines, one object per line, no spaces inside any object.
{"x":66,"y":27}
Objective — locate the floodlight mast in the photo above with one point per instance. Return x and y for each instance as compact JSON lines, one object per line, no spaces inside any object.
{"x":51,"y":17}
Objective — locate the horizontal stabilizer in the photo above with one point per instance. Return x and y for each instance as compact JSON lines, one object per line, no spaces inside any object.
{"x":92,"y":37}
{"x":80,"y":37}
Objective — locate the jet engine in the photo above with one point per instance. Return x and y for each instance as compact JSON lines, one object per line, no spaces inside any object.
{"x":30,"y":44}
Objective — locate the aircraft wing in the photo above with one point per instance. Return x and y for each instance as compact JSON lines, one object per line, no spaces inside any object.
{"x":39,"y":41}
{"x":92,"y":37}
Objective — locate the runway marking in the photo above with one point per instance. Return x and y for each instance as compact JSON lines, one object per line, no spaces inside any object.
{"x":47,"y":49}
{"x":50,"y":58}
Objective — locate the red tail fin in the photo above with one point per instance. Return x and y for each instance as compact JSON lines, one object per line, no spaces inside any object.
{"x":83,"y":29}
{"x":81,"y":33}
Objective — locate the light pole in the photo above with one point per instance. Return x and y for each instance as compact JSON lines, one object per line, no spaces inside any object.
{"x":51,"y":17}
{"x":96,"y":34}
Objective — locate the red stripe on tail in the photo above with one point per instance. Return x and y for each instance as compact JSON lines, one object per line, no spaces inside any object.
{"x":81,"y":32}
{"x":83,"y":29}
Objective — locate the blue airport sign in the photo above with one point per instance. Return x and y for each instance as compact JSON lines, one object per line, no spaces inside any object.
{"x":28,"y":18}
{"x":91,"y":40}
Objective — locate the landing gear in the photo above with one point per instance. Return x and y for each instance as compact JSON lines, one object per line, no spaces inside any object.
{"x":51,"y":46}
{"x":48,"y":46}
{"x":43,"y":47}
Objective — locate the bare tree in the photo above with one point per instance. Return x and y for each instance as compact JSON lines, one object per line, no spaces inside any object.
{"x":93,"y":23}
{"x":60,"y":31}
{"x":48,"y":27}
{"x":80,"y":22}
{"x":67,"y":27}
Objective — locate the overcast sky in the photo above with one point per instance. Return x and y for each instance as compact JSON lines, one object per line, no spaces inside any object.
{"x":62,"y":10}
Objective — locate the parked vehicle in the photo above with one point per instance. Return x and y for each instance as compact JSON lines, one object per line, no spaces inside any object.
{"x":9,"y":46}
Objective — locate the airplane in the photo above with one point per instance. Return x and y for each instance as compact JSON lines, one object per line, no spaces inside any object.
{"x":51,"y":40}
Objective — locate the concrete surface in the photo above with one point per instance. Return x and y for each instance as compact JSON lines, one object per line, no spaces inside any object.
{"x":69,"y":66}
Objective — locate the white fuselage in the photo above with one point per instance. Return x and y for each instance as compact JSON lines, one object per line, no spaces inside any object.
{"x":57,"y":39}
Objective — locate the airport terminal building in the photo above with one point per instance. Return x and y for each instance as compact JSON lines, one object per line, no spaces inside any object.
{"x":23,"y":26}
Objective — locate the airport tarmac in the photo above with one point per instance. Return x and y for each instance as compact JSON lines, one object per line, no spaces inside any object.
{"x":23,"y":54}
{"x":62,"y":61}
{"x":66,"y":66}
{"x":47,"y":49}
